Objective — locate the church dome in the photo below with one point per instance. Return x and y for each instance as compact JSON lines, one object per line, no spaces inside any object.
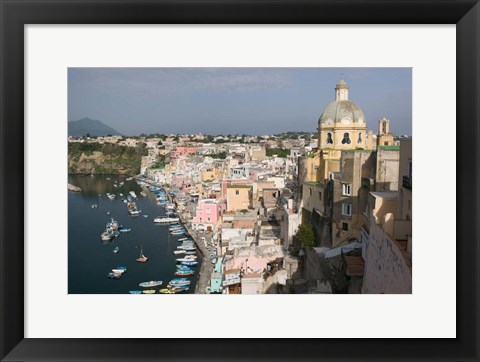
{"x":337,"y":111}
{"x":342,"y":110}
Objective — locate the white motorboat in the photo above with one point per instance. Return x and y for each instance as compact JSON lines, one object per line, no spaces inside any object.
{"x":151,"y":283}
{"x":165,"y":219}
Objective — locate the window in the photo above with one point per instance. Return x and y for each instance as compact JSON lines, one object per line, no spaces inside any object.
{"x":208,"y":219}
{"x":310,"y":191}
{"x":344,"y":226}
{"x":346,"y":139}
{"x":385,"y":143}
{"x":237,"y":192}
{"x":319,"y":195}
{"x":346,"y":189}
{"x":359,"y":138}
{"x":347,"y":209}
{"x":329,"y":138}
{"x":207,"y":211}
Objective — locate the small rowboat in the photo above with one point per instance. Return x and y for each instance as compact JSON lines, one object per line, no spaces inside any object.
{"x":151,"y":283}
{"x":167,"y":290}
{"x":125,"y":230}
{"x":116,"y":249}
{"x":149,"y":291}
{"x":135,"y":291}
{"x":114,"y":275}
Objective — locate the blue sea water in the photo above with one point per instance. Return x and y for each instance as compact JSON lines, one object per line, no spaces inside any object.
{"x":90,"y":259}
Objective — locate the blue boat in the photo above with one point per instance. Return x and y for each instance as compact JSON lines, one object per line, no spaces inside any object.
{"x":121,"y":268}
{"x":135,"y":291}
{"x":178,"y":232}
{"x":116,"y":249}
{"x":183,"y":267}
{"x":189,"y":263}
{"x":125,"y":230}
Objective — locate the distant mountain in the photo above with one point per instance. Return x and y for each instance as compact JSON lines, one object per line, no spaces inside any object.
{"x":91,"y":126}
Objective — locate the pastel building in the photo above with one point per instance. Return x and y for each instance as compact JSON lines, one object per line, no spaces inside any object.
{"x":207,"y":214}
{"x":184,"y":151}
{"x":239,"y":197}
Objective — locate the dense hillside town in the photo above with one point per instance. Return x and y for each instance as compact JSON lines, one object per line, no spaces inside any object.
{"x":296,"y":212}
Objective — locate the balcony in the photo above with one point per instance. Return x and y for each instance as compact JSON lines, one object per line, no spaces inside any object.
{"x":407,"y":182}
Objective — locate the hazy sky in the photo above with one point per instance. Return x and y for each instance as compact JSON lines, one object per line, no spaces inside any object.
{"x":234,"y":100}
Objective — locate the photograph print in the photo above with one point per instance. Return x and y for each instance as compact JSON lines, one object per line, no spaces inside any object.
{"x":239,"y":181}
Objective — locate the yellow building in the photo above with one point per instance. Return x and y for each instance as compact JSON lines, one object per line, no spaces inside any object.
{"x":239,"y":197}
{"x":211,"y":174}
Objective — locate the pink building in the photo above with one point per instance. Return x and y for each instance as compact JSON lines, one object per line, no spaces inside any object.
{"x":208,"y":214}
{"x":181,"y":151}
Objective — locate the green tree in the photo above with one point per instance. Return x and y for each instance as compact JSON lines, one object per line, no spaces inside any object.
{"x":305,"y":235}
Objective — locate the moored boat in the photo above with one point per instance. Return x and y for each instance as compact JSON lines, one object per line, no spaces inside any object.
{"x":178,"y":232}
{"x":142,"y":258}
{"x":125,"y":230}
{"x":116,"y":249}
{"x":149,"y":291}
{"x":135,"y":291}
{"x":167,"y":290}
{"x":108,"y":234}
{"x":187,"y":258}
{"x":184,"y":273}
{"x":190,"y":263}
{"x":114,"y":275}
{"x":165,"y":219}
{"x":151,"y":283}
{"x":179,"y":283}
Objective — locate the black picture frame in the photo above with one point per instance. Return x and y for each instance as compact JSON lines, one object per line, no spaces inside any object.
{"x":15,"y":14}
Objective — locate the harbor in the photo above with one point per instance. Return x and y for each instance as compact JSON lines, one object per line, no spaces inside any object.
{"x":110,"y":235}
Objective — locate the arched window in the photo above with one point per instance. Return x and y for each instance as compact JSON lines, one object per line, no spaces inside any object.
{"x":359,"y":138}
{"x":329,"y":138}
{"x":346,"y":139}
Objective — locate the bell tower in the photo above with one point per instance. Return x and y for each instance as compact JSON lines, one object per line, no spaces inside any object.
{"x":384,"y":137}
